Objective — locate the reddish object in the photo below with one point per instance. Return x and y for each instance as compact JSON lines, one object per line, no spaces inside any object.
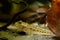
{"x":53,"y":17}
